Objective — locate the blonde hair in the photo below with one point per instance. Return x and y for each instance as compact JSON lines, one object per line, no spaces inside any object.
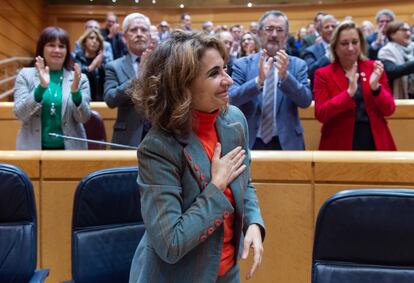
{"x":84,"y":36}
{"x":345,"y":25}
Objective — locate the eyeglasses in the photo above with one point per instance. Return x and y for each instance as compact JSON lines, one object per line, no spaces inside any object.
{"x":136,"y":29}
{"x":404,"y":29}
{"x":270,"y":29}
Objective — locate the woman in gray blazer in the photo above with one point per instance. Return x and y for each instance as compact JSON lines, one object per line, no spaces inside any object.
{"x":51,"y":97}
{"x":199,"y":207}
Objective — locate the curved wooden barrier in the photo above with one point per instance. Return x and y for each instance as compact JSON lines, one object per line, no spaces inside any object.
{"x":401,"y":124}
{"x":291,"y":185}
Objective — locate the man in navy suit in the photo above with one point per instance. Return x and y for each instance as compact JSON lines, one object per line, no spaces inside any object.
{"x":269,"y":86}
{"x":317,"y":55}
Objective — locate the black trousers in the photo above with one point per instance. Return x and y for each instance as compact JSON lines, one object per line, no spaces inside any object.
{"x":363,"y":139}
{"x":274,"y":144}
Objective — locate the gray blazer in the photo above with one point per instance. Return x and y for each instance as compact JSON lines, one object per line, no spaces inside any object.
{"x":28,"y":110}
{"x":183,"y":211}
{"x":128,"y":126}
{"x":293,"y":92}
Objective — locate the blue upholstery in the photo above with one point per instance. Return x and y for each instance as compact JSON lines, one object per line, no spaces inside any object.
{"x":107,"y":226}
{"x":17,"y":228}
{"x":365,"y":236}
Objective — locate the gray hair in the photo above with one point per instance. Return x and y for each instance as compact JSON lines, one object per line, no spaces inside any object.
{"x":326,"y":18}
{"x":385,"y":12}
{"x":274,"y":13}
{"x":132,"y":17}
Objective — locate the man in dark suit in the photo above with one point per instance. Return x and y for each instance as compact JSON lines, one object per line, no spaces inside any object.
{"x":269,"y":86}
{"x":377,"y":39}
{"x":129,"y":125}
{"x":113,"y":36}
{"x":317,"y":55}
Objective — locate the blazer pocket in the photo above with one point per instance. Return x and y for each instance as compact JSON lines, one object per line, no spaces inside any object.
{"x":120,"y":126}
{"x":299,"y":130}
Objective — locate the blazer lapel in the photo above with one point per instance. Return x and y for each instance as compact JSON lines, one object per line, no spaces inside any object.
{"x":66,"y":85}
{"x":339,"y":77}
{"x":128,"y":67}
{"x":230,"y":135}
{"x":197,"y":160}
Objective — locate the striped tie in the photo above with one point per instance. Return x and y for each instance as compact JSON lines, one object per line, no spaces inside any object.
{"x":267,"y":110}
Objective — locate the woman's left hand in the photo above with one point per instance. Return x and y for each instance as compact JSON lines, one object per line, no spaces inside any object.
{"x":253,"y":239}
{"x":76,"y":78}
{"x":376,"y":75}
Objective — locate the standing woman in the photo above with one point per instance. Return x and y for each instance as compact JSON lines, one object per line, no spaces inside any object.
{"x":352,"y":96}
{"x":51,"y":98}
{"x":249,"y":44}
{"x":199,"y":207}
{"x":90,"y":57}
{"x":398,"y":58}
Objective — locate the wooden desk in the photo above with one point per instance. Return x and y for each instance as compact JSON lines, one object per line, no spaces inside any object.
{"x":401,"y":125}
{"x":291,"y":186}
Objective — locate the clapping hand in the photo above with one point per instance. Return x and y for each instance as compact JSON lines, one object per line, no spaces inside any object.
{"x":376,"y":75}
{"x":43,"y":71}
{"x":282,"y":64}
{"x":264,"y":68}
{"x":352,"y":77}
{"x":76,"y":78}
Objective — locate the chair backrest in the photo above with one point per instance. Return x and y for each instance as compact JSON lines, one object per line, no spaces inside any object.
{"x":95,"y":130}
{"x":365,"y":236}
{"x":17,"y":225}
{"x":107,"y":226}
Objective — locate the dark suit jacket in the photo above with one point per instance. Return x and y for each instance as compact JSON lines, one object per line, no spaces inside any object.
{"x":129,"y":125}
{"x":315,"y":58}
{"x":183,"y":211}
{"x":119,"y":48}
{"x":292,"y":92}
{"x":336,"y":109}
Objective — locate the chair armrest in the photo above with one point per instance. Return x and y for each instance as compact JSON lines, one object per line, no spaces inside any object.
{"x":39,"y":276}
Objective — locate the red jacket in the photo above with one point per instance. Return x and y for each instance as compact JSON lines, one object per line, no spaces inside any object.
{"x":336,"y":109}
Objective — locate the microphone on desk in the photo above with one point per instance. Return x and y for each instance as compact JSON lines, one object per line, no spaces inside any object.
{"x":92,"y":141}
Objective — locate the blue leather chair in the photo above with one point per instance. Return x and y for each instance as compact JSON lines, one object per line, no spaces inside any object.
{"x":107,"y":226}
{"x":18,"y":250}
{"x":365,"y":235}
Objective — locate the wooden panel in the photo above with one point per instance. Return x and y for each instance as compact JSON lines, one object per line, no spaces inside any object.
{"x":28,"y":161}
{"x":56,"y":223}
{"x":299,"y":14}
{"x":80,"y":164}
{"x":9,"y":134}
{"x":290,"y":166}
{"x":20,"y":25}
{"x":288,"y":216}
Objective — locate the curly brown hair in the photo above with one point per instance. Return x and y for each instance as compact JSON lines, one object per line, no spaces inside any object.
{"x":161,"y":92}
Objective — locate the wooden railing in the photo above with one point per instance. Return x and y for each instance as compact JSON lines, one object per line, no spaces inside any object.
{"x":8,"y":72}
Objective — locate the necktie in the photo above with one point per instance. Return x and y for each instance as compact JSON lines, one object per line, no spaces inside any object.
{"x":267,"y":109}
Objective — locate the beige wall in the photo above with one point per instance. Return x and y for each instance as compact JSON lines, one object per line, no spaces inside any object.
{"x":291,"y":187}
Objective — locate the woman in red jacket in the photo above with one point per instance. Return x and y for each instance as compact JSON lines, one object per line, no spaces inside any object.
{"x":352,"y":96}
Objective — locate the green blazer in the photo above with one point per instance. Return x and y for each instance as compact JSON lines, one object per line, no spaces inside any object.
{"x":183,"y":211}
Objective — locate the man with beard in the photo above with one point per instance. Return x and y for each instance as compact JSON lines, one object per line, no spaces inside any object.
{"x":129,"y":127}
{"x":269,"y":86}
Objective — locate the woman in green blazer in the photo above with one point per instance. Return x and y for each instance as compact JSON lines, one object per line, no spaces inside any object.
{"x":200,"y":210}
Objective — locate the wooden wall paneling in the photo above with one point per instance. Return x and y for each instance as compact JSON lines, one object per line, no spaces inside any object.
{"x":288,"y":214}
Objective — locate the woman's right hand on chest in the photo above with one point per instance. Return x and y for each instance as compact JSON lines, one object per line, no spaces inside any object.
{"x":225,"y":169}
